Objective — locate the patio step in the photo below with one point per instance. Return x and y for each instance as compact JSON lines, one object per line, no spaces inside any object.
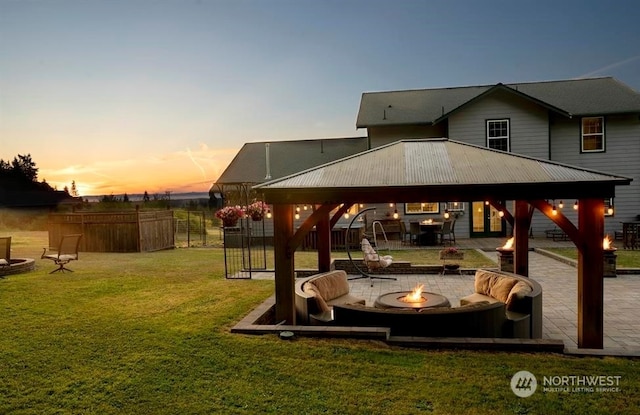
{"x":529,"y":345}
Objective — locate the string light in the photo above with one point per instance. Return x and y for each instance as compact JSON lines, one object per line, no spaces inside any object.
{"x":554,"y":210}
{"x":268,"y":213}
{"x":500,"y":213}
{"x":446,"y":214}
{"x":575,"y":205}
{"x":560,"y":205}
{"x":395,"y":214}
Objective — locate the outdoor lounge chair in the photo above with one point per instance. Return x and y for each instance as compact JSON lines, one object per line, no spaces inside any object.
{"x":67,"y":252}
{"x":5,"y":251}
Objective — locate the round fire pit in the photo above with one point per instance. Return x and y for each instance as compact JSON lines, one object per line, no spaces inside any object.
{"x":18,"y":266}
{"x":395,"y":300}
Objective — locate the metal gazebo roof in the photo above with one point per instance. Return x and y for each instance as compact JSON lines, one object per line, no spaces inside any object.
{"x":436,"y":170}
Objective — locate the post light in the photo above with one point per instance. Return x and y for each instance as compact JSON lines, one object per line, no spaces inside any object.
{"x":575,"y":205}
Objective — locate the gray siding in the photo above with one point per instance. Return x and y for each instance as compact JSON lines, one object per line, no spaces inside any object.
{"x":621,"y":156}
{"x":380,"y":136}
{"x":528,"y":123}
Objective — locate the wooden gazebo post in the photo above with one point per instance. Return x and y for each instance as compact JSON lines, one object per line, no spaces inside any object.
{"x":590,"y":268}
{"x":284,"y":263}
{"x":323,"y":232}
{"x":521,"y":238}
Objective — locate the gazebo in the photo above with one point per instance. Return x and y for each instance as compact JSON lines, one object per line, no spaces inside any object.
{"x":436,"y":170}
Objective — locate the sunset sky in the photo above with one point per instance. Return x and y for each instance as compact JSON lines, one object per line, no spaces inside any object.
{"x":158,"y":95}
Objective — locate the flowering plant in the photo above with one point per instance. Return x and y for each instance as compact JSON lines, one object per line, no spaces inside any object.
{"x":230,"y":215}
{"x":450,"y":250}
{"x":257,"y":210}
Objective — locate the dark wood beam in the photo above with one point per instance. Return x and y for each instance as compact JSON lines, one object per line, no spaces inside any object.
{"x":323,"y":243}
{"x":284,"y":263}
{"x":522,"y":222}
{"x":590,"y":269}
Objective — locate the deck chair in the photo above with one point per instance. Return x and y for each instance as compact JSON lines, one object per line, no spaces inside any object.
{"x":67,"y":252}
{"x":5,"y":251}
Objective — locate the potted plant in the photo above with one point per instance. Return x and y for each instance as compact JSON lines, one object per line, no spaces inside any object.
{"x":257,"y":210}
{"x":230,"y":215}
{"x":451,"y":253}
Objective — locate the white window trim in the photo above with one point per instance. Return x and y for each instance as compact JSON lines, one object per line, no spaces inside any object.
{"x":508,"y":136}
{"x":582,"y":135}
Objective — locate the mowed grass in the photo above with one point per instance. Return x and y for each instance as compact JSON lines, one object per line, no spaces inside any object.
{"x":148,"y":333}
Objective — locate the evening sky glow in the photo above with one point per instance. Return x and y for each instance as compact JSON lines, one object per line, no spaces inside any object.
{"x":135,"y":95}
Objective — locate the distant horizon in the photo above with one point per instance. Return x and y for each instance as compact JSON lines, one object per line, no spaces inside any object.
{"x":167,"y":100}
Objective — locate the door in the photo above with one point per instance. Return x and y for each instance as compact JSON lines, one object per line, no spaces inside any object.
{"x":486,"y":221}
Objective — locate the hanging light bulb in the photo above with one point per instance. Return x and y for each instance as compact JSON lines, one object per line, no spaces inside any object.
{"x":486,"y":202}
{"x":297,"y":216}
{"x":575,"y":205}
{"x":560,"y":205}
{"x":346,"y":215}
{"x":500,"y":213}
{"x":297,"y":208}
{"x":395,"y":214}
{"x":554,"y":210}
{"x":305,"y":207}
{"x":268,"y":213}
{"x":391,"y":204}
{"x":446,"y":214}
{"x":361,"y":205}
{"x":610,"y":210}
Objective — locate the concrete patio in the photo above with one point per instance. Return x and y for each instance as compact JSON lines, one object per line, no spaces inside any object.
{"x":559,"y":282}
{"x":560,"y":298}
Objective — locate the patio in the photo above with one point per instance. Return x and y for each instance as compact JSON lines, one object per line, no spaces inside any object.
{"x":559,"y":281}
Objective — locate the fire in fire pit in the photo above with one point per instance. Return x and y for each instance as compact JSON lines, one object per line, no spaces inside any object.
{"x":415,"y":296}
{"x":607,"y":244}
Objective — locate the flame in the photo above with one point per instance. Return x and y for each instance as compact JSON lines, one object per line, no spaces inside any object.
{"x":606,"y":243}
{"x":508,"y":244}
{"x":415,"y":296}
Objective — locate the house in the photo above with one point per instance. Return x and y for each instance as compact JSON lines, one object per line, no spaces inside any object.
{"x":591,"y":123}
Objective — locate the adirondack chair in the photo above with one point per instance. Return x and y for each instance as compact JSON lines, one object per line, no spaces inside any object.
{"x":67,"y":252}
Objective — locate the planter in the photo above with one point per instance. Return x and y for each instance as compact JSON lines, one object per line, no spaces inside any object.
{"x":451,"y":255}
{"x":229,"y":223}
{"x":257,"y":217}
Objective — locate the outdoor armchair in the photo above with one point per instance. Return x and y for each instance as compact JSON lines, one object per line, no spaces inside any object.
{"x":67,"y":252}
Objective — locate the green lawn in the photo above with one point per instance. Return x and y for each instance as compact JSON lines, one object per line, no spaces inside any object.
{"x":149,"y":334}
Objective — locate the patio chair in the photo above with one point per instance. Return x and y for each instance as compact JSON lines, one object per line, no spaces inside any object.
{"x":5,"y":251}
{"x":67,"y":252}
{"x":445,"y":233}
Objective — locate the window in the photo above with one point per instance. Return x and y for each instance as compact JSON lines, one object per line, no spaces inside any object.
{"x":593,"y":134}
{"x":454,"y":206}
{"x":498,"y":134}
{"x":419,"y":208}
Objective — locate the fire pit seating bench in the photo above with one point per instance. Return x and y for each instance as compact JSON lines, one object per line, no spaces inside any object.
{"x":483,"y":320}
{"x":316,"y":295}
{"x":521,"y":296}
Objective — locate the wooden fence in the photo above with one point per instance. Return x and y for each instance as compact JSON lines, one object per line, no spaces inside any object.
{"x":135,"y":231}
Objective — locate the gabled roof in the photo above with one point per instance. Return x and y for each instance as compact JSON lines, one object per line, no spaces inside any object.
{"x":577,"y":97}
{"x":437,"y":170}
{"x":287,"y":157}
